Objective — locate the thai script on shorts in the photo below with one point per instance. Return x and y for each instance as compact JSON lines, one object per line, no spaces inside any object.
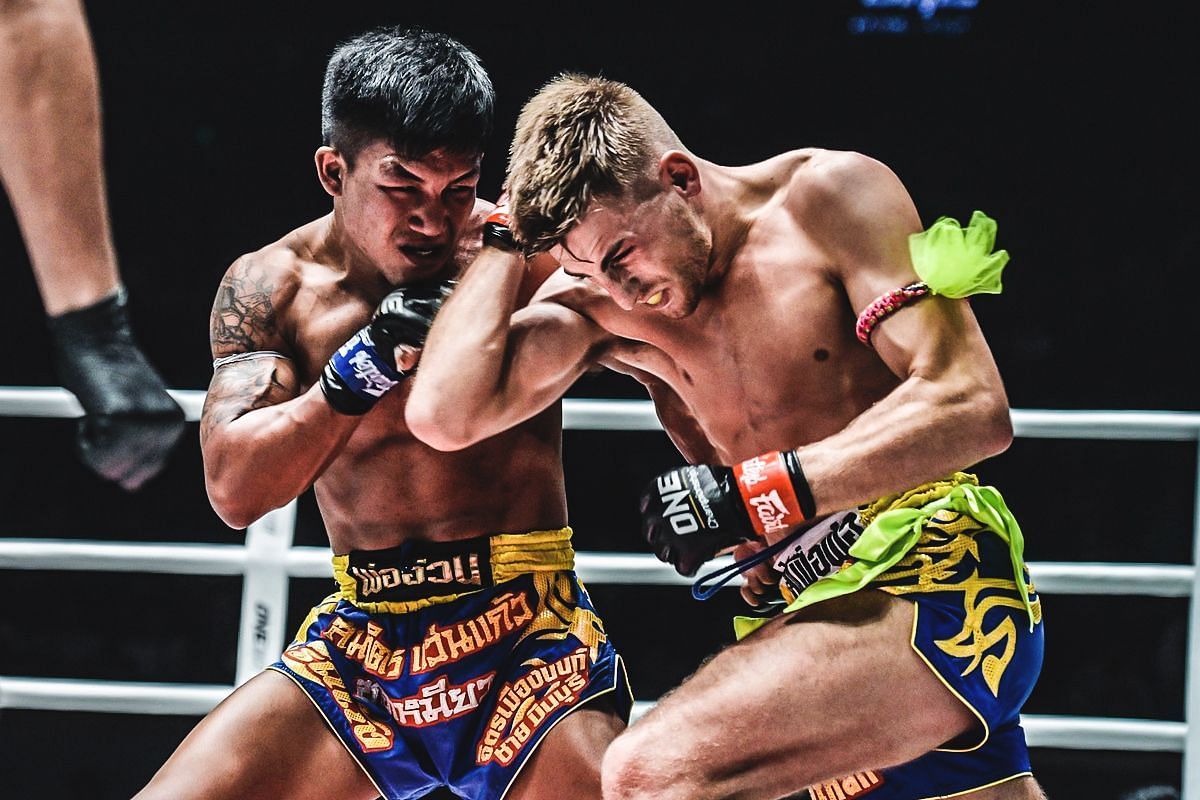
{"x":367,"y":647}
{"x":525,"y":704}
{"x":312,"y":662}
{"x":437,"y":701}
{"x":847,"y":788}
{"x":509,"y":612}
{"x":803,"y":568}
{"x":460,"y":569}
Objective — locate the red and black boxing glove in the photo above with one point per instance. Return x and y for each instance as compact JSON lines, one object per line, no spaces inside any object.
{"x":691,"y":513}
{"x":497,"y":231}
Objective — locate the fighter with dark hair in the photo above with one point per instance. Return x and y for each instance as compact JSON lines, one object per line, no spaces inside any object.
{"x":459,"y":640}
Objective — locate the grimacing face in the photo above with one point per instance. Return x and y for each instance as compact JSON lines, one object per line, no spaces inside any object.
{"x":651,"y":255}
{"x":406,"y":215}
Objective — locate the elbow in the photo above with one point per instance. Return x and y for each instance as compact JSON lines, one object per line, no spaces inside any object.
{"x":995,"y":426}
{"x":230,"y":504}
{"x":430,"y":423}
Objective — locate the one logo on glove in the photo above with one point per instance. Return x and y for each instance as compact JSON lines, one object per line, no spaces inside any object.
{"x":675,"y":506}
{"x":679,"y":502}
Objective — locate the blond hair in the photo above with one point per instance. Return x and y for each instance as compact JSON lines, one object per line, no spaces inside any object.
{"x":578,"y":138}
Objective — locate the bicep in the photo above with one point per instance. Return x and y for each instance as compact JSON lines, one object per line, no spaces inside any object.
{"x":863,"y":220}
{"x":245,"y":385}
{"x":936,"y":338}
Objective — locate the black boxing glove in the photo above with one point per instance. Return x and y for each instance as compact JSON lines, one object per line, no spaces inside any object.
{"x":364,"y":369}
{"x":497,"y":231}
{"x":130,"y":423}
{"x":691,"y":513}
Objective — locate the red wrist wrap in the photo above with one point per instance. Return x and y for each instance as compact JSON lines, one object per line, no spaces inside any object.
{"x":500,"y":216}
{"x":766,"y":489}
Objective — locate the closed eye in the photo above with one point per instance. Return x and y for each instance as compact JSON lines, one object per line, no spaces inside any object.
{"x":614,"y":264}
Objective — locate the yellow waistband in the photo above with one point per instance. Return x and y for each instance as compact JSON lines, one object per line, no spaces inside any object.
{"x":915,"y":498}
{"x":510,"y":554}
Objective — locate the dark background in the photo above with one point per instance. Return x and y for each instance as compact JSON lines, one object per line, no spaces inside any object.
{"x":1070,"y":123}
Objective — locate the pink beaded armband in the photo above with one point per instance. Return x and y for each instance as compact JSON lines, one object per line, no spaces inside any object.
{"x":884,"y":306}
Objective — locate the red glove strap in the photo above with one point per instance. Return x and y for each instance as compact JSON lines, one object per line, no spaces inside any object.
{"x":766,"y":489}
{"x":500,"y":216}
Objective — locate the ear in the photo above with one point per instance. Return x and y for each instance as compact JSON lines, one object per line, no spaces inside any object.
{"x":331,"y":170}
{"x":677,"y":171}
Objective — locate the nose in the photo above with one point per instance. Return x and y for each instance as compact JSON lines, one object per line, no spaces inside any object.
{"x":623,"y":295}
{"x":430,"y":218}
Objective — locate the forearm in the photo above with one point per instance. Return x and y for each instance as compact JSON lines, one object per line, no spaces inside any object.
{"x":923,"y":430}
{"x":50,"y":150}
{"x":265,"y":457}
{"x":458,"y":383}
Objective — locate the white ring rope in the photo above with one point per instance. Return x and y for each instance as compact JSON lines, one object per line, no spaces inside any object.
{"x":1153,"y":580}
{"x":269,"y":559}
{"x":192,"y":699}
{"x":638,"y":415}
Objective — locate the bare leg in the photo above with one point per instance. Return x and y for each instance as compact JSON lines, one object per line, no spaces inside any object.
{"x":266,"y":740}
{"x":51,"y":166}
{"x":827,"y":692}
{"x":50,"y":150}
{"x":567,"y":762}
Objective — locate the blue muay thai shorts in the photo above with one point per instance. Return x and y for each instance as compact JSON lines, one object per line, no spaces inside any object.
{"x":444,"y":664}
{"x":971,"y":626}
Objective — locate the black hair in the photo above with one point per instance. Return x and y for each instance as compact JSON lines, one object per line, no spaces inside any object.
{"x":414,"y":88}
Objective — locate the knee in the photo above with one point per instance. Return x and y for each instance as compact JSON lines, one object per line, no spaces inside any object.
{"x":637,"y":768}
{"x":621,"y":771}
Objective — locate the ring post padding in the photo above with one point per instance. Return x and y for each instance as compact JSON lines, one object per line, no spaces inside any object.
{"x":265,"y":591}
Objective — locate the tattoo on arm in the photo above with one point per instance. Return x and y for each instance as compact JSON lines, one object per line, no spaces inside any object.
{"x":238,"y":389}
{"x":243,"y":315}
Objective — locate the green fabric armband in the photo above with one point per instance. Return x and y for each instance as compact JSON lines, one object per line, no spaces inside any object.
{"x":958,"y":262}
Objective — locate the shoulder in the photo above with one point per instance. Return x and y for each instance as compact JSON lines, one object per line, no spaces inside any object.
{"x":579,"y":295}
{"x":840,"y":179}
{"x":253,"y":299}
{"x":849,"y":204}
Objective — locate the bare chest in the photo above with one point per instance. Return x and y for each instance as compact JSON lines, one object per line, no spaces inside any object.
{"x":768,"y":360}
{"x":385,"y":484}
